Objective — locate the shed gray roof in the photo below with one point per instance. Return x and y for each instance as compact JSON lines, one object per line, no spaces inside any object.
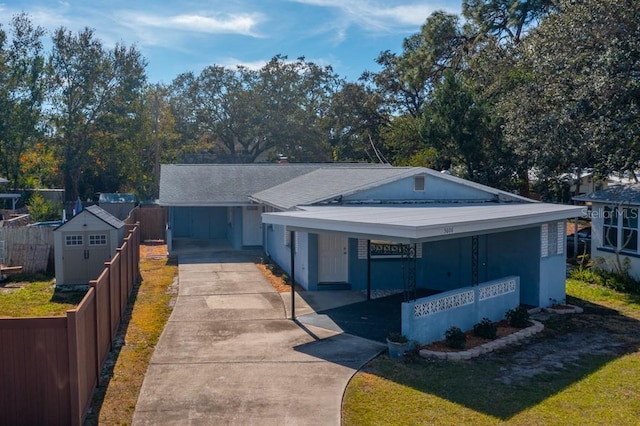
{"x":105,"y":216}
{"x":617,"y":194}
{"x":225,"y":184}
{"x":328,"y":183}
{"x":101,"y":214}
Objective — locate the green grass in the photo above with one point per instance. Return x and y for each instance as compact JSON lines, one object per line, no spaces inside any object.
{"x":600,"y":389}
{"x":114,"y":402}
{"x":35,"y":299}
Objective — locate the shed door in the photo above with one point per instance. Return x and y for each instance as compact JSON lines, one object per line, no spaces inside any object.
{"x":74,"y":258}
{"x":332,"y":258}
{"x":84,"y":256}
{"x":97,"y":253}
{"x":252,"y":226}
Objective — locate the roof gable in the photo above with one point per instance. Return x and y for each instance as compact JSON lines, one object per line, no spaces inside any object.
{"x":327,"y":184}
{"x":100,"y":214}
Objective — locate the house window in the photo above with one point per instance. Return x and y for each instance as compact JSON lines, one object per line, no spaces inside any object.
{"x":620,"y":228}
{"x":98,"y":240}
{"x":73,"y":240}
{"x":418,"y":183}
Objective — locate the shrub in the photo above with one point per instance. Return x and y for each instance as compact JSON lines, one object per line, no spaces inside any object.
{"x":606,"y":274}
{"x":397,"y":337}
{"x":43,"y":210}
{"x":518,"y":317}
{"x":485,"y":329}
{"x":455,"y":338}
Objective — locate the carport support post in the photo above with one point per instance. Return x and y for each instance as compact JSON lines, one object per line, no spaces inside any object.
{"x":293,"y":273}
{"x":368,"y":269}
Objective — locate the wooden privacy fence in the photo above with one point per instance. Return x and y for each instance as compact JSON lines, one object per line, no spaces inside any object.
{"x":30,"y":247}
{"x":153,"y":222}
{"x":49,"y":367}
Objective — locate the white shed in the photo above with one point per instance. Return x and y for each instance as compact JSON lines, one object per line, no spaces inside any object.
{"x":84,"y":243}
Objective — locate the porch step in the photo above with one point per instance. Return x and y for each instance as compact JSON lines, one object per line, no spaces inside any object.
{"x":334,"y":286}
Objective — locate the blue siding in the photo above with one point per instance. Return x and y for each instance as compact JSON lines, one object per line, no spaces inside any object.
{"x":447,"y":264}
{"x":435,"y":189}
{"x":517,"y":253}
{"x":234,"y":233}
{"x":200,"y":222}
{"x":281,"y":254}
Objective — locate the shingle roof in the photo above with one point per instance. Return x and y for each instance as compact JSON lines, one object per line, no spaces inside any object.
{"x":225,"y":184}
{"x":328,"y":183}
{"x":105,"y":216}
{"x":617,"y":194}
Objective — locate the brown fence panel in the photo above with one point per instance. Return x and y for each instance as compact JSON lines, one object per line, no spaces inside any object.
{"x":84,"y":319}
{"x":34,"y":367}
{"x":153,"y":222}
{"x":115,"y":287}
{"x":103,"y":315}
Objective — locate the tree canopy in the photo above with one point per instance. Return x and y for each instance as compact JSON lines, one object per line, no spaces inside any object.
{"x":507,"y":90}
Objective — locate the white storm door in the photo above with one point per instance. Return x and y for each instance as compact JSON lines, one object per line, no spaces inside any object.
{"x":252,"y":226}
{"x":332,"y":258}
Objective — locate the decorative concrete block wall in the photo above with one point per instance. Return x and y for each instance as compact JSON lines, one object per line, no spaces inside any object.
{"x":426,"y":320}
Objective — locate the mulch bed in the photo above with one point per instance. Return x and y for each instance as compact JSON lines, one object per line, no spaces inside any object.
{"x":504,"y":329}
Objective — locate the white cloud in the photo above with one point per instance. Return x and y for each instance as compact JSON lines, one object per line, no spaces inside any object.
{"x":380,"y":16}
{"x":243,"y":24}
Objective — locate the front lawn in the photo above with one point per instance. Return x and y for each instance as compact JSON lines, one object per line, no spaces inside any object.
{"x":583,"y":369}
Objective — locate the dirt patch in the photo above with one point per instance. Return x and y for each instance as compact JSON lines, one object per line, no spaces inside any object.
{"x":153,"y":251}
{"x":275,"y":278}
{"x":566,"y":340}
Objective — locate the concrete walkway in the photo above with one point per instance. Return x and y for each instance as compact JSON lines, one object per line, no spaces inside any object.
{"x":230,"y":356}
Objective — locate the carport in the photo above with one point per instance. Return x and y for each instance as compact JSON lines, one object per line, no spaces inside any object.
{"x":504,"y":240}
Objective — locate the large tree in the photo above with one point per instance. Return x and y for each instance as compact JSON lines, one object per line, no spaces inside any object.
{"x":246,"y":115}
{"x":578,"y":101}
{"x":94,"y":100}
{"x":22,"y":92}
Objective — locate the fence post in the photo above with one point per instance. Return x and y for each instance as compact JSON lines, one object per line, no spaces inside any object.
{"x":74,"y":383}
{"x":96,"y":326}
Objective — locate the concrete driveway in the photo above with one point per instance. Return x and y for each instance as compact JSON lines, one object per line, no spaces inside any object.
{"x":230,"y":356}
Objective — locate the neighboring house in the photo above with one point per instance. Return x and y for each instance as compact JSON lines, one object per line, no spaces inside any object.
{"x":381,"y":228}
{"x":614,"y":226}
{"x":83,"y":244}
{"x":587,"y":183}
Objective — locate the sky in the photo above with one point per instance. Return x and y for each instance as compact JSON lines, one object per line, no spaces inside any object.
{"x":181,"y":36}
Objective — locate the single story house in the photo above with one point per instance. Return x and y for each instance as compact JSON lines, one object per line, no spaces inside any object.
{"x":480,"y":250}
{"x":614,"y":226}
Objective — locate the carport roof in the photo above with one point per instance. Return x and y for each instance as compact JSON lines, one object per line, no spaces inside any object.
{"x":425,"y":222}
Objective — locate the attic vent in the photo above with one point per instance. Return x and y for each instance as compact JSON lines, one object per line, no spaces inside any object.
{"x":418,"y":183}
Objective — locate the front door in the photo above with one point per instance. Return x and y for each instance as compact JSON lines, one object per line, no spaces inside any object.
{"x":332,"y":258}
{"x":252,"y":226}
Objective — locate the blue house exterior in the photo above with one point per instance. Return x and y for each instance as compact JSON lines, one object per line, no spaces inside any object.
{"x":472,"y":249}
